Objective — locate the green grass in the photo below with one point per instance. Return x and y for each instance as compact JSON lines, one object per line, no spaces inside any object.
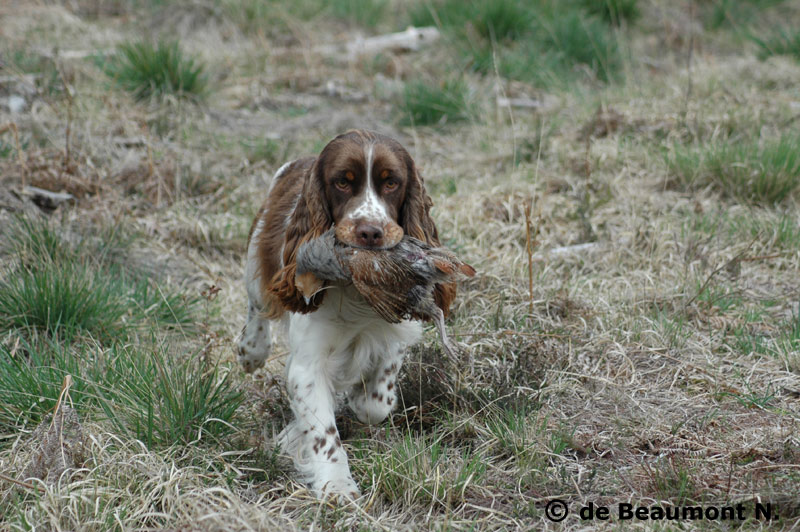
{"x":613,"y":11}
{"x":674,"y":329}
{"x":765,"y":172}
{"x":24,"y":60}
{"x":146,"y":393}
{"x":773,"y":228}
{"x":149,"y":70}
{"x":789,"y":338}
{"x":70,"y":306}
{"x":270,"y":17}
{"x":736,"y":14}
{"x":499,"y":20}
{"x":365,"y":13}
{"x":578,"y":40}
{"x":31,"y":375}
{"x":162,"y":306}
{"x":271,"y":151}
{"x":425,"y":104}
{"x":81,"y":287}
{"x":162,"y":400}
{"x":509,"y":427}
{"x":424,"y":469}
{"x":6,"y":150}
{"x":64,"y":300}
{"x":671,"y":480}
{"x":529,"y":41}
{"x":747,"y":343}
{"x":718,"y":297}
{"x":783,"y":41}
{"x":560,"y":49}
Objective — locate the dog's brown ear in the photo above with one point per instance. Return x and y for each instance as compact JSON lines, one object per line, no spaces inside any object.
{"x":415,"y":215}
{"x":310,"y":219}
{"x":416,"y":221}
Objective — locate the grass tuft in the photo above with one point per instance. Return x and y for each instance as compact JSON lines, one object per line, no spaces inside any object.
{"x":273,"y":17}
{"x":80,"y":287}
{"x":425,"y":104}
{"x":573,"y":39}
{"x":766,"y":172}
{"x":161,"y":401}
{"x":31,"y":374}
{"x":63,"y":300}
{"x":671,"y":480}
{"x":364,"y":13}
{"x":145,"y":393}
{"x":500,"y":20}
{"x":785,"y":41}
{"x":150,"y":70}
{"x":554,"y":53}
{"x":722,"y":14}
{"x":613,"y":11}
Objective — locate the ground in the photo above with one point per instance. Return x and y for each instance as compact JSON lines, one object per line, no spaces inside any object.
{"x":632,"y":334}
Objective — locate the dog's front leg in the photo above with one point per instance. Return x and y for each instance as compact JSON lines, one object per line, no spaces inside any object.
{"x":312,"y":439}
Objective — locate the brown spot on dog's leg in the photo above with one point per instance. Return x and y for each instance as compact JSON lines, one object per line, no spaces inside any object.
{"x":319,"y":444}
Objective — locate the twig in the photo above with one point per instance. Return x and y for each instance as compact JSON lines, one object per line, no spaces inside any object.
{"x":530,"y":234}
{"x":585,"y":206}
{"x":762,"y":257}
{"x":504,"y":333}
{"x":13,"y":128}
{"x":67,"y":133}
{"x":151,"y":172}
{"x":65,"y":386}
{"x":689,"y":55}
{"x":499,"y":83}
{"x":21,"y":483}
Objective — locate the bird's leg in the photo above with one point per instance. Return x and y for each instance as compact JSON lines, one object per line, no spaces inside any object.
{"x":438,"y":319}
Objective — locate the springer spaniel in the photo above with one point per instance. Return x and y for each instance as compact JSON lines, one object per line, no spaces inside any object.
{"x":367,"y":186}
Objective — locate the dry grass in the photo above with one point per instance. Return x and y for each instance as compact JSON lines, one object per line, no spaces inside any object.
{"x":655,"y":360}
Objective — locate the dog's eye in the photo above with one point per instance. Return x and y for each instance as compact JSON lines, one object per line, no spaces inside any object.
{"x":391,"y":185}
{"x":342,"y":184}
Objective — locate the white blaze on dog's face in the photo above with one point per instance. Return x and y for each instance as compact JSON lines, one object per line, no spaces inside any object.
{"x":365,"y":184}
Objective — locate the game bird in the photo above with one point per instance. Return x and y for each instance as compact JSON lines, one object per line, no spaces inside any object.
{"x":398,"y":283}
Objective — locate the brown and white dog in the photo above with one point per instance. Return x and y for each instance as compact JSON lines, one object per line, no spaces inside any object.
{"x":367,"y":186}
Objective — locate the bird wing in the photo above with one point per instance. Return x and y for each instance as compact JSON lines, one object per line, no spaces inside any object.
{"x":448,"y":265}
{"x":385,"y":282}
{"x":390,"y":306}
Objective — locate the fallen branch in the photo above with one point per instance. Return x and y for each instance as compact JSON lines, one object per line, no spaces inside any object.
{"x":410,"y":40}
{"x":46,"y":198}
{"x":525,"y":103}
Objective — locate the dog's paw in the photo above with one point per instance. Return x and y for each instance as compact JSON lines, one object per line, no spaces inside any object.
{"x":340,"y":489}
{"x":250,"y":359}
